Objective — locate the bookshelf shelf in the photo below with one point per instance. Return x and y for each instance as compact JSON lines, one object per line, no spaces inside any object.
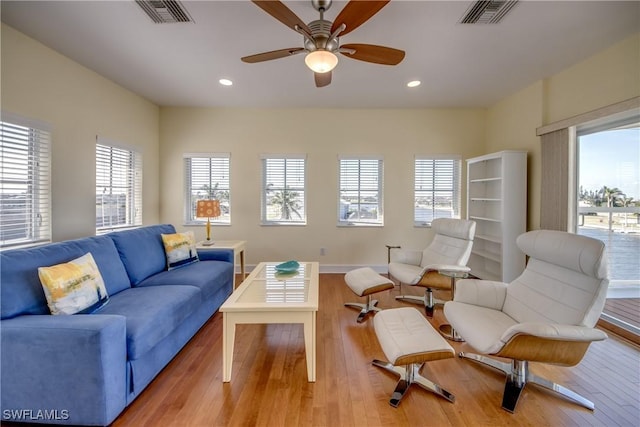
{"x":497,"y":201}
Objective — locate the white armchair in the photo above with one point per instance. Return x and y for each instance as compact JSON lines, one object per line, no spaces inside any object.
{"x":448,"y":251}
{"x":546,"y":315}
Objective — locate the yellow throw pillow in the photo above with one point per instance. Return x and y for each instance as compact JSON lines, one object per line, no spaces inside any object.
{"x":180,"y":249}
{"x":75,"y":287}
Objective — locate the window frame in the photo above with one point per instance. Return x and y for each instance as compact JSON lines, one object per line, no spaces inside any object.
{"x":455,"y":188}
{"x":38,"y":176}
{"x":189,"y":198}
{"x":132,"y":174}
{"x":345,"y":222}
{"x":266,"y":189}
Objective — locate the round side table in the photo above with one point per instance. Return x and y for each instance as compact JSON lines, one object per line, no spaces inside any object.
{"x":445,"y":329}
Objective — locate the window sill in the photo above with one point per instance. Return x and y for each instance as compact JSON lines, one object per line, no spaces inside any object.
{"x":283,"y":224}
{"x":101,"y":231}
{"x":25,"y":245}
{"x":359,"y":225}
{"x":204,"y":224}
{"x":422,"y":224}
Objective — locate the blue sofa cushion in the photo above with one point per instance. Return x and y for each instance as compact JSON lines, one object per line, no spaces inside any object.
{"x":142,"y":251}
{"x":152,"y":313}
{"x":21,"y":291}
{"x":209,"y":276}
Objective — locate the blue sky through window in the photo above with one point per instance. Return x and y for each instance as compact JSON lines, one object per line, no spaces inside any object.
{"x":611,"y":158}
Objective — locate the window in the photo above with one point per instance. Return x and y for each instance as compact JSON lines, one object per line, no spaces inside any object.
{"x":25,"y":214}
{"x":118,"y":186}
{"x":607,"y":207}
{"x":207,"y":177}
{"x":436,"y":189}
{"x":283,"y":190}
{"x":360,"y":194}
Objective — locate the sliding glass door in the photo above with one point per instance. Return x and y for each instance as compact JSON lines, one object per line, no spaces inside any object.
{"x":608,"y":178}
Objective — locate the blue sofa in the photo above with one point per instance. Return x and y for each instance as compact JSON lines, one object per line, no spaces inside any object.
{"x":86,"y":368}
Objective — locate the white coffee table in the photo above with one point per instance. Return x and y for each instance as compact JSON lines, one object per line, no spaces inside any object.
{"x":269,"y":297}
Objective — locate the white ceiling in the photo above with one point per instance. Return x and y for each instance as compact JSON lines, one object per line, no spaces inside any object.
{"x":459,"y":65}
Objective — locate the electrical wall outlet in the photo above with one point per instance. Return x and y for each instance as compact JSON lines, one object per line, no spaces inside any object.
{"x":323,"y":251}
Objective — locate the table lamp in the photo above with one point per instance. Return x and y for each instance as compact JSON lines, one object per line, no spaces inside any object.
{"x":208,"y":209}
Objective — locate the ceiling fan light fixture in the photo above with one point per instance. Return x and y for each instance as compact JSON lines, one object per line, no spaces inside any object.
{"x":321,"y":61}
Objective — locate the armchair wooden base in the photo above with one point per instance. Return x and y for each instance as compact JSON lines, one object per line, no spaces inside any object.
{"x":545,"y":350}
{"x":430,"y":281}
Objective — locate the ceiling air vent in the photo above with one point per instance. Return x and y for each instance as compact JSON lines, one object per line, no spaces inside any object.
{"x":487,"y":12}
{"x":165,"y":11}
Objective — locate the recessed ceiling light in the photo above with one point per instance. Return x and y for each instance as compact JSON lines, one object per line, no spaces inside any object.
{"x":225,"y":82}
{"x":414,"y":83}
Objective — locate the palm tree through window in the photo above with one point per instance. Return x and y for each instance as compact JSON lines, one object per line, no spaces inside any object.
{"x":283,"y":191}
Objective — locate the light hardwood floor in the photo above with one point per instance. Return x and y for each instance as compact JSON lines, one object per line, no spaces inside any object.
{"x":269,"y":385}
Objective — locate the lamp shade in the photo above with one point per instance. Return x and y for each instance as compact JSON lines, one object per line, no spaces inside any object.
{"x":321,"y":61}
{"x":207,"y":208}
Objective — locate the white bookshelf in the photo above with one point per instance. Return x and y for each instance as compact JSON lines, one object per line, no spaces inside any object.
{"x":497,"y":202}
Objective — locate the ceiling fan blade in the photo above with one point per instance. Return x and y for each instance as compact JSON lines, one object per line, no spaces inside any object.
{"x":282,"y":13}
{"x":356,"y":13}
{"x":274,"y":54}
{"x":373,"y":53}
{"x":323,"y":79}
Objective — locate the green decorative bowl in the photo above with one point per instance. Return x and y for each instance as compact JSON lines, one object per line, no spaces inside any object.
{"x":288,"y":267}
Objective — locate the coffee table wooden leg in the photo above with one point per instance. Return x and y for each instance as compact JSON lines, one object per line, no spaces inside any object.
{"x":310,"y":346}
{"x":228,"y":338}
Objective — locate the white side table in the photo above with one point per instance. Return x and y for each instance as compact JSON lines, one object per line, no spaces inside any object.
{"x":446,"y":329}
{"x":238,"y":247}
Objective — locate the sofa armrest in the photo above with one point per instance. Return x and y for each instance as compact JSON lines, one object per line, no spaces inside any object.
{"x":484,"y":293}
{"x":75,"y":366}
{"x":406,"y":256}
{"x":211,"y":254}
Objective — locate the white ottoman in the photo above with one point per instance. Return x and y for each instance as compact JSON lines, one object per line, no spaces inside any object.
{"x":365,"y":282}
{"x":408,"y":341}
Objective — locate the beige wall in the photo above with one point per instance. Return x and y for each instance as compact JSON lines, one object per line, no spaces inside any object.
{"x":511,"y":125}
{"x":610,"y":76}
{"x":322,"y":135}
{"x":41,"y":84}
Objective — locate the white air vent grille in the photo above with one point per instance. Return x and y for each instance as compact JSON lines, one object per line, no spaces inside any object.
{"x":165,"y":11}
{"x":487,"y":12}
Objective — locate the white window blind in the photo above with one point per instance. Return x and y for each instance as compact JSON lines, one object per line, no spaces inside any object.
{"x":118,"y":187}
{"x":283,"y":190}
{"x":25,"y":167}
{"x":437,"y":188}
{"x":207,"y":177}
{"x":360,"y":198}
